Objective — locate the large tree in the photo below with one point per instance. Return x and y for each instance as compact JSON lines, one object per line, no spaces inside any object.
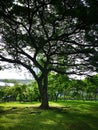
{"x":47,"y":35}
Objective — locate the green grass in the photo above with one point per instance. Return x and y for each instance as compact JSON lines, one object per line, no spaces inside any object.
{"x":63,"y":115}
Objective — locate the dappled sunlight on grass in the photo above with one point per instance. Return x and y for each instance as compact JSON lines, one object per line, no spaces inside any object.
{"x":48,"y":121}
{"x":55,"y":104}
{"x":20,"y":104}
{"x":76,"y":115}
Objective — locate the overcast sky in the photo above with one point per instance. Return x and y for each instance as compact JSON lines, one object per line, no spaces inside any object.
{"x":14,"y":74}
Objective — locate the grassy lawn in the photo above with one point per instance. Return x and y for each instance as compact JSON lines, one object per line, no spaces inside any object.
{"x":63,"y":115}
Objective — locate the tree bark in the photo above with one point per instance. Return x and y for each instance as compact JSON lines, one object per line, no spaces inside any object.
{"x":43,"y":84}
{"x":44,"y":98}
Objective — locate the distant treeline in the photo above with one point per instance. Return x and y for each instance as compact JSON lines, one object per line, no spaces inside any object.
{"x":16,"y":80}
{"x":60,"y":87}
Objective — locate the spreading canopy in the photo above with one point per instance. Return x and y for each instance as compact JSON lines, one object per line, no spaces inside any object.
{"x":55,"y":35}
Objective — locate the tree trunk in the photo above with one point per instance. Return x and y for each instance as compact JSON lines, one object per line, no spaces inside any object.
{"x":43,"y":84}
{"x":44,"y":98}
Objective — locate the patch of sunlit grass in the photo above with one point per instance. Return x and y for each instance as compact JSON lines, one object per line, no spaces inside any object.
{"x":63,"y":115}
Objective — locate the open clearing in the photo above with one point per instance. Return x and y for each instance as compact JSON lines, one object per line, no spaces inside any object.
{"x":63,"y":115}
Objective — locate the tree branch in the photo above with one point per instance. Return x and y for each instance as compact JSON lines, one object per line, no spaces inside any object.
{"x":19,"y":63}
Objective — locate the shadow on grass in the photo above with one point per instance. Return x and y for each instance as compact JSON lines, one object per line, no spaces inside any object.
{"x":31,"y":118}
{"x":1,"y":109}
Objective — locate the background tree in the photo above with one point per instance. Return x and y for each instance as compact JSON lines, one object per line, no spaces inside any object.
{"x":32,"y":91}
{"x":77,"y":89}
{"x":48,"y":35}
{"x":7,"y":94}
{"x":57,"y":85}
{"x":92,"y":87}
